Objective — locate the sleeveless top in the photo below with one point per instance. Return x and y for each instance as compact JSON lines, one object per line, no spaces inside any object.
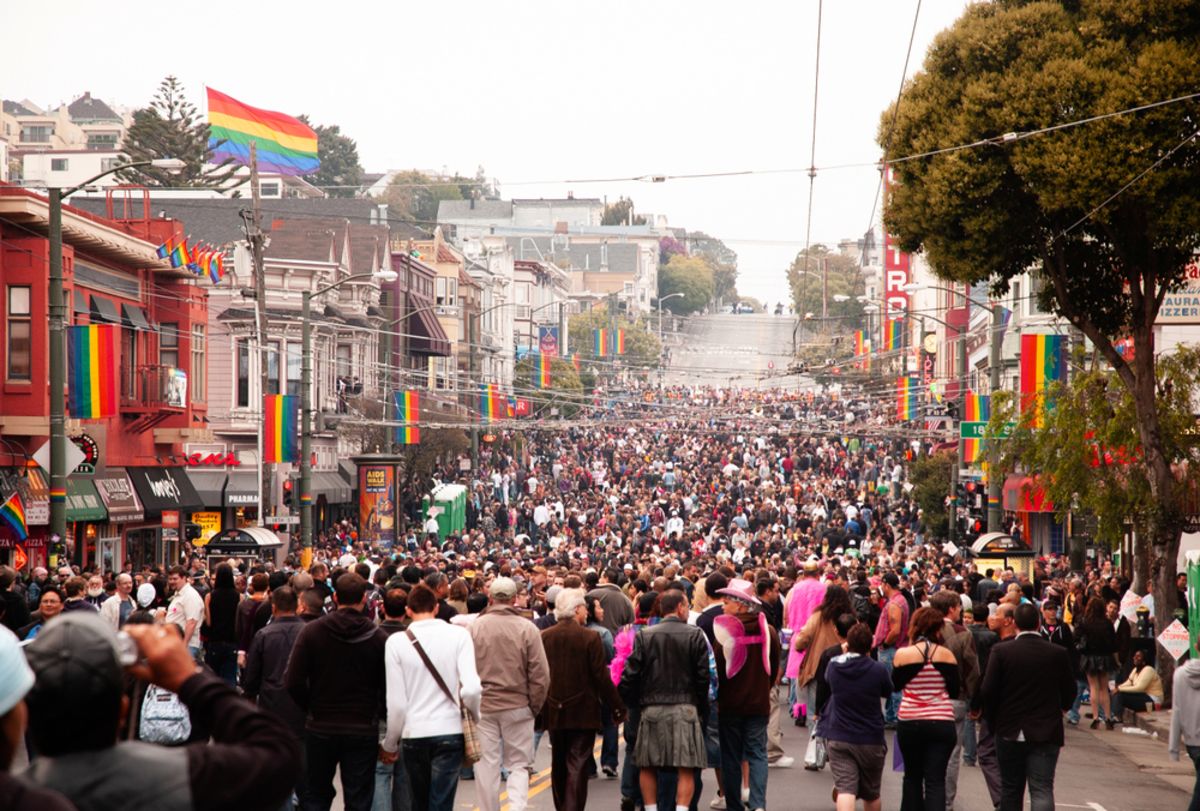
{"x":925,"y":697}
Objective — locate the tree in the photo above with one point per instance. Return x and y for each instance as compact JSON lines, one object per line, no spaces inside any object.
{"x":169,"y":128}
{"x":340,"y":174}
{"x":723,"y":261}
{"x":419,"y":462}
{"x":414,"y":195}
{"x":1106,"y":213}
{"x":690,"y":275}
{"x":931,"y":485}
{"x":621,"y":213}
{"x":829,"y":274}
{"x":642,"y":348}
{"x":565,"y":395}
{"x":668,"y":247}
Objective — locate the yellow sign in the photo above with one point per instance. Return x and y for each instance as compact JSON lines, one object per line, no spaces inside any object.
{"x":210,"y":525}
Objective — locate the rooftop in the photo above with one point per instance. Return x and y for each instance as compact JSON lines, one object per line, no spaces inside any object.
{"x":86,"y":108}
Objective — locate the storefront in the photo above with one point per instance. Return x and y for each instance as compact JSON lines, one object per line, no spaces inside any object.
{"x":30,"y":484}
{"x":1037,"y":523}
{"x":241,"y":499}
{"x":85,"y":516}
{"x":161,"y":490}
{"x":333,"y":499}
{"x":124,"y":511}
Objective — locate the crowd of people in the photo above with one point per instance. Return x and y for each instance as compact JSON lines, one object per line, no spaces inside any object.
{"x":689,"y":575}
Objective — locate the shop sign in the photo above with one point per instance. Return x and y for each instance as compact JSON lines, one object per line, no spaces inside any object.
{"x":170,"y":519}
{"x":91,"y":454}
{"x":212,"y":460}
{"x":210,"y":525}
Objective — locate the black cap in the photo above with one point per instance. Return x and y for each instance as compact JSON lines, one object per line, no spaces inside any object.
{"x":892,"y":580}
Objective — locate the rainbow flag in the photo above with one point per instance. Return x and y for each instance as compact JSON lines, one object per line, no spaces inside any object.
{"x":164,"y":250}
{"x":859,"y":342}
{"x":93,"y":358}
{"x":600,"y":342}
{"x":490,"y":406}
{"x":1043,"y":361}
{"x":13,"y":514}
{"x":906,"y":388}
{"x":216,"y":268}
{"x":286,"y":146}
{"x":620,"y":342}
{"x":408,"y":411}
{"x":976,"y":408}
{"x":892,"y":336}
{"x":279,"y":428}
{"x":575,"y":361}
{"x":541,"y":372}
{"x":179,"y":255}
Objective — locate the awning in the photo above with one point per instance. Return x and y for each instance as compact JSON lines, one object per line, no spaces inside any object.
{"x":428,"y":337}
{"x":246,"y":539}
{"x":164,"y":488}
{"x":210,"y":486}
{"x":104,"y":311}
{"x":1023,"y":495}
{"x":119,"y":497}
{"x":331,"y":485}
{"x":242,"y":489}
{"x":80,"y":299}
{"x":135,"y":318}
{"x":83,"y":502}
{"x":349,"y":472}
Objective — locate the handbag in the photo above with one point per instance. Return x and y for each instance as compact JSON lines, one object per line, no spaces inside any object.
{"x":472,"y":751}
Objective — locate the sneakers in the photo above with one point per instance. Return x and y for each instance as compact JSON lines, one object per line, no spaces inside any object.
{"x":609,"y":772}
{"x":784,"y":762}
{"x":745,"y":794}
{"x":718,"y":803}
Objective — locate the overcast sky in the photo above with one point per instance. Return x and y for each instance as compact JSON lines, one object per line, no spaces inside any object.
{"x":539,"y":93}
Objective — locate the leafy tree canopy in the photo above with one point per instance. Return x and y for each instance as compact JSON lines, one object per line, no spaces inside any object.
{"x":414,"y":195}
{"x":621,"y":213}
{"x":690,"y":275}
{"x":931,"y":483}
{"x":843,"y":277}
{"x":723,"y":260}
{"x":642,"y":348}
{"x":565,"y":395}
{"x":170,"y":128}
{"x":340,"y":174}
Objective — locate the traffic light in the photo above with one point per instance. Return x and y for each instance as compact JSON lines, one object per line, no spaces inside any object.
{"x":289,"y":489}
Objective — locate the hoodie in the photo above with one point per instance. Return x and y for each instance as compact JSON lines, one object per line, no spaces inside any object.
{"x":854,"y":714}
{"x":336,"y":674}
{"x":1185,"y":718}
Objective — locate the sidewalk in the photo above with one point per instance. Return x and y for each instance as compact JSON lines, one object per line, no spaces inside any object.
{"x":1145,"y":745}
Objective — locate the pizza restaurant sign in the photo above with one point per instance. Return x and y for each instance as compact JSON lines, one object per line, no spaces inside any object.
{"x":212,"y":460}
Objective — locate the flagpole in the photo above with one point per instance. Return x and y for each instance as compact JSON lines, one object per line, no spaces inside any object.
{"x":260,"y":328}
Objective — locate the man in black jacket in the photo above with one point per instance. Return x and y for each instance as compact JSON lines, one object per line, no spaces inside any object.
{"x":336,"y":674}
{"x":1026,"y":689}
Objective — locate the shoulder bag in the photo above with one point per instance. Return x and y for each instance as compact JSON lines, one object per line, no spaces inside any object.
{"x":472,"y":750}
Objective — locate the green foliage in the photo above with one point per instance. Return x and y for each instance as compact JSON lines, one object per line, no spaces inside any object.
{"x":414,"y":195}
{"x":566,"y":392}
{"x":723,"y":261}
{"x":642,"y":348}
{"x":931,"y":485}
{"x":171,"y":128}
{"x":618,"y":213}
{"x":844,"y":279}
{"x":690,"y":275}
{"x":340,"y":174}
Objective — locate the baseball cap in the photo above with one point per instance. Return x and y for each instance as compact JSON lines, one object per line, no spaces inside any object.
{"x":503,"y":588}
{"x":75,"y":657}
{"x":15,"y":676}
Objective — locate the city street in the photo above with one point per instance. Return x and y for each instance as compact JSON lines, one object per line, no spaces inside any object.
{"x":750,"y":350}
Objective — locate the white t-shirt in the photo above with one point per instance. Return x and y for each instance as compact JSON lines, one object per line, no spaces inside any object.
{"x":187,"y":605}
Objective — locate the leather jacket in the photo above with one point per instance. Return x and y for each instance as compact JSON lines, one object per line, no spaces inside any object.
{"x":668,"y":665}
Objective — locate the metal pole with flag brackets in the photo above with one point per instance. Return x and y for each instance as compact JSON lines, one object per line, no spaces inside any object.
{"x":385,"y":275}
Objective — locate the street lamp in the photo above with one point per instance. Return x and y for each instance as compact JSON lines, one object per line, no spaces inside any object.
{"x":58,"y":319}
{"x":661,"y":299}
{"x":995,"y":514}
{"x":385,"y":275}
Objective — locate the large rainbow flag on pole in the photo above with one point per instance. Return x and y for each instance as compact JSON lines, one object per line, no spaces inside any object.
{"x":541,"y":372}
{"x":489,"y":402}
{"x":906,"y":403}
{"x":93,"y":357}
{"x":1043,"y":361}
{"x":620,"y":342}
{"x":600,"y":342}
{"x":408,"y":411}
{"x":13,"y":513}
{"x":286,"y":145}
{"x":279,"y":428}
{"x":892,"y":335}
{"x":976,"y":408}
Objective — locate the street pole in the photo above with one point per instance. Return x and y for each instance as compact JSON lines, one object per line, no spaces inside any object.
{"x":58,"y":376}
{"x":306,"y":528}
{"x":960,"y":458}
{"x":995,"y":491}
{"x":473,"y":333}
{"x":260,"y":318}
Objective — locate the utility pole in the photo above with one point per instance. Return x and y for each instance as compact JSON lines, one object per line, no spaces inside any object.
{"x":824,"y":289}
{"x":257,"y":246}
{"x":995,"y":491}
{"x":473,"y":331}
{"x":58,"y":376}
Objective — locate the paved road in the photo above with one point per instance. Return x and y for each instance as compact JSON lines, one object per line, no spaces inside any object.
{"x":745,"y":351}
{"x":1098,"y":771}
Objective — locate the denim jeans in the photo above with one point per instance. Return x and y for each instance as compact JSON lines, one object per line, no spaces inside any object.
{"x":432,"y":765}
{"x":1138,"y":702}
{"x":222,"y":658}
{"x":1081,"y":687}
{"x":886,"y":655}
{"x":968,"y":741}
{"x":356,"y":755}
{"x":960,"y":716}
{"x":926,"y":747}
{"x":1022,"y":762}
{"x":1194,"y":754}
{"x":391,"y":787}
{"x":743,"y":738}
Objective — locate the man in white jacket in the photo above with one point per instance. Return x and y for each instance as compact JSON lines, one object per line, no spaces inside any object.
{"x":423,"y":694}
{"x":1185,"y":718}
{"x":117,"y":608}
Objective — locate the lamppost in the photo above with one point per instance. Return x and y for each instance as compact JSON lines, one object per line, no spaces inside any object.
{"x":660,"y":303}
{"x":58,"y":360}
{"x":385,"y":275}
{"x":995,"y":514}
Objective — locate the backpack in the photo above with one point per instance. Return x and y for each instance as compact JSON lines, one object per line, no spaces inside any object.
{"x":164,"y":718}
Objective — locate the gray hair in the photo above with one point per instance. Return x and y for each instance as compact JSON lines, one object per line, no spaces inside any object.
{"x":567,"y":601}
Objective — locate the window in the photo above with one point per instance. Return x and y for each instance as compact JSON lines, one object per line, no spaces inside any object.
{"x":295,"y":360}
{"x":129,"y":363}
{"x":108,"y":164}
{"x":198,"y":371}
{"x":102,"y":140}
{"x":268,"y":189}
{"x":343,"y":360}
{"x":443,"y":373}
{"x":58,"y":164}
{"x":20,"y":334}
{"x":243,"y":374}
{"x":36,"y":135}
{"x":1016,"y":299}
{"x":273,"y":348}
{"x":168,"y":346}
{"x":446,"y":292}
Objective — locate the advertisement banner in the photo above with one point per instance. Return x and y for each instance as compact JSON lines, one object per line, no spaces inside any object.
{"x":896,"y":263}
{"x":1182,"y":306}
{"x":210,"y":525}
{"x":548,"y":341}
{"x":377,"y":505}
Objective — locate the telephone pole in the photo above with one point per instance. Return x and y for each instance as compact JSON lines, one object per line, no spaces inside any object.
{"x":257,"y":241}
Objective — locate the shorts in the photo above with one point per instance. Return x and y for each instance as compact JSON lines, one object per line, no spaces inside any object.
{"x":857,"y":768}
{"x":670,"y":736}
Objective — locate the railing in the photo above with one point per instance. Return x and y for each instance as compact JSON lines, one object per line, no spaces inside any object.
{"x":154,"y":388}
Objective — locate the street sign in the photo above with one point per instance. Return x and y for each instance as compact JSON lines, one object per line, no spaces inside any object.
{"x":282,"y":519}
{"x":1175,"y":639}
{"x":978,"y":430}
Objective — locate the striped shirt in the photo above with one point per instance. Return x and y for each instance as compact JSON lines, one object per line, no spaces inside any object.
{"x":925,"y":698}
